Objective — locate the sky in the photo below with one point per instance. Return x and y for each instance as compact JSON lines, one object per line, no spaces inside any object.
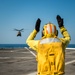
{"x":24,"y":13}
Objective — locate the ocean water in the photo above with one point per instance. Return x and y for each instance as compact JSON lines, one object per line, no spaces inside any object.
{"x":13,"y":45}
{"x":25,"y":45}
{"x":71,"y":46}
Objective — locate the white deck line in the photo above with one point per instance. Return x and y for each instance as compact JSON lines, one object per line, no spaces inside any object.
{"x":34,"y":73}
{"x":31,"y":52}
{"x":71,"y":48}
{"x":69,"y":62}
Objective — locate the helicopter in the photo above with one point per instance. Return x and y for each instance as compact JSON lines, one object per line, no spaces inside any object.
{"x":19,"y":32}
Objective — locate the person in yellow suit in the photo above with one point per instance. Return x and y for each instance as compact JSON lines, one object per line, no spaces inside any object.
{"x":50,"y":49}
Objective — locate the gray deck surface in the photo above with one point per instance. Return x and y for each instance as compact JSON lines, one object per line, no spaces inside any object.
{"x":21,"y":61}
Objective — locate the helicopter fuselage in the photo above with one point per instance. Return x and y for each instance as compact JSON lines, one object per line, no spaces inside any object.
{"x":19,"y":33}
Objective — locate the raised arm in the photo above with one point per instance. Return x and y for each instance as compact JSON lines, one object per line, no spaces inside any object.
{"x":30,"y":40}
{"x":66,"y":36}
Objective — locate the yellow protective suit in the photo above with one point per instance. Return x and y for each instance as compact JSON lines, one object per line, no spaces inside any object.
{"x":50,"y":52}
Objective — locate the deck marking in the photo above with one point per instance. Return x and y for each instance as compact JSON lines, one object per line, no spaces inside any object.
{"x":71,"y":48}
{"x":34,"y":73}
{"x":69,"y":62}
{"x":31,"y":52}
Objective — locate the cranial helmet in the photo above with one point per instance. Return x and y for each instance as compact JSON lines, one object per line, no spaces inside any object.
{"x":49,"y":30}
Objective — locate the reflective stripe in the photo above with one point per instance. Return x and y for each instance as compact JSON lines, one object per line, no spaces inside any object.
{"x":50,"y":29}
{"x":53,"y":29}
{"x":49,"y":40}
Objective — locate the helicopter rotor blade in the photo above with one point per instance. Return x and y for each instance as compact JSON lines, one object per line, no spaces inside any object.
{"x":16,"y":29}
{"x":22,"y":29}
